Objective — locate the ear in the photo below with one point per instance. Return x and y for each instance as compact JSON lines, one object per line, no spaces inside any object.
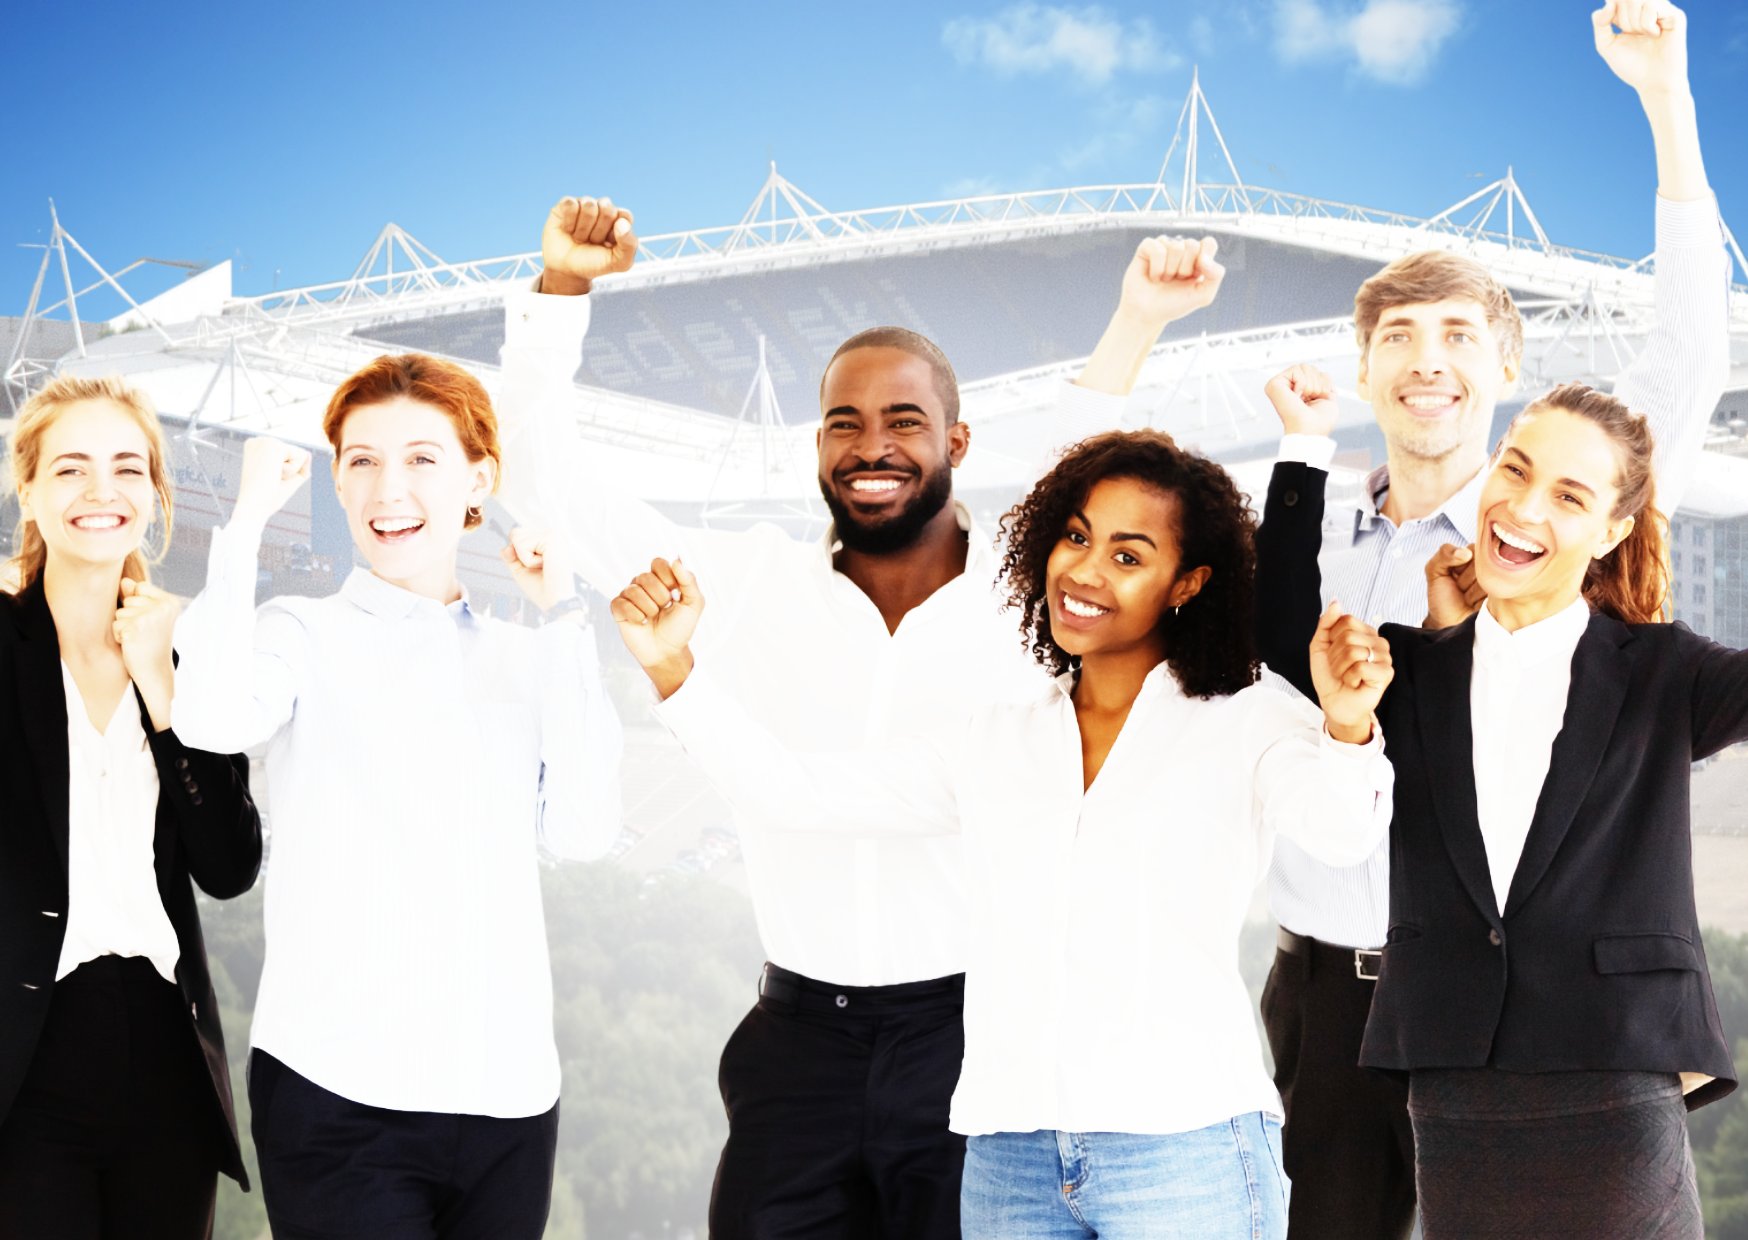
{"x":958,"y":443}
{"x":1616,"y":535}
{"x":1362,"y":385}
{"x":1188,"y":585}
{"x":24,"y":505}
{"x":1512,"y":370}
{"x":485,"y":473}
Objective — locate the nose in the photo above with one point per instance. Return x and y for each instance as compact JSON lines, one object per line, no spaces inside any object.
{"x":1083,"y":569}
{"x":872,"y":443}
{"x":1528,"y":507}
{"x":391,"y":482}
{"x":1429,"y":357}
{"x":100,"y":487}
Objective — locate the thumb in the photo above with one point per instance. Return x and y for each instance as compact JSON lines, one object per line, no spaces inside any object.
{"x":129,"y":587}
{"x":690,"y":595}
{"x":1326,"y":621}
{"x":1602,"y":26}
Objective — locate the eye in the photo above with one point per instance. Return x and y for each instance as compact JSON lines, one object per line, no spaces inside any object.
{"x":1124,"y":558}
{"x":133,"y":471}
{"x":67,"y":471}
{"x":1572,"y":499}
{"x":424,"y":459}
{"x":1513,"y":470}
{"x":1395,"y":337}
{"x":842,"y":424}
{"x":1076,"y":537}
{"x":906,"y":424}
{"x":359,"y":462}
{"x":1462,"y":338}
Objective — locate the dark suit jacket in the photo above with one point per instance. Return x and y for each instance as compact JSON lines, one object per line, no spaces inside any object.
{"x":1596,"y":961}
{"x":207,"y":829}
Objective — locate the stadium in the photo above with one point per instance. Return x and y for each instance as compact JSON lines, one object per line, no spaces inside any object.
{"x":698,"y":389}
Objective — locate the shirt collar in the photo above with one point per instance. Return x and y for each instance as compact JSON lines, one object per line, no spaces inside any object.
{"x":368,"y":592}
{"x":1459,"y":510}
{"x":1159,"y":681}
{"x":1550,"y":641}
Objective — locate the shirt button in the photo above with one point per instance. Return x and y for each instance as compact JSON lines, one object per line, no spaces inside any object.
{"x":1290,"y":499}
{"x":1395,"y":553}
{"x":842,"y":1001}
{"x":1493,"y":938}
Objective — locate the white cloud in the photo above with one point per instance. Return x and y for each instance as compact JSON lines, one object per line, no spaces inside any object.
{"x":1392,"y":41}
{"x":1088,"y":43}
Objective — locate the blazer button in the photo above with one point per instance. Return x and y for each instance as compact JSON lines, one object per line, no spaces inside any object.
{"x":195,"y":798}
{"x":843,"y":1001}
{"x":192,"y":786}
{"x":1290,"y":499}
{"x":1493,"y":938}
{"x":182,"y":764}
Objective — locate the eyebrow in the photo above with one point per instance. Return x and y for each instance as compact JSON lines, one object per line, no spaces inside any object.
{"x":1118,"y":536}
{"x":85,"y":456}
{"x":899,"y":407}
{"x":1573,"y":483}
{"x":417,"y":443}
{"x":1454,"y":320}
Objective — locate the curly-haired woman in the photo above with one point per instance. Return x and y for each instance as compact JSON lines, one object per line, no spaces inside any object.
{"x":1115,"y":827}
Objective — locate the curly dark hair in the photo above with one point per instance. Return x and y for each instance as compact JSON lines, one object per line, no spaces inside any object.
{"x":1211,"y":643}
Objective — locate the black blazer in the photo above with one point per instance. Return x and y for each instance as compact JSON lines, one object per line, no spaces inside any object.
{"x":1596,"y":961}
{"x":207,"y":829}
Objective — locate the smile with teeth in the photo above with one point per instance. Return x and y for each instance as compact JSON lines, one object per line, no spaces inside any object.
{"x":1430,"y":402}
{"x":98,"y":521}
{"x":1509,"y":543}
{"x":1083,"y":610}
{"x":394,"y":527}
{"x":875,"y":486}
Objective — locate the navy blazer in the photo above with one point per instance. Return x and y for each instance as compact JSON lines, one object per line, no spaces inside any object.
{"x":1595,"y":961}
{"x":207,"y":830}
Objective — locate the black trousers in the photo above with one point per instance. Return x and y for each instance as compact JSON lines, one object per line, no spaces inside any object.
{"x":1347,"y":1144}
{"x":334,"y":1169}
{"x":116,"y":1133}
{"x":837,"y":1103}
{"x":1506,"y":1154}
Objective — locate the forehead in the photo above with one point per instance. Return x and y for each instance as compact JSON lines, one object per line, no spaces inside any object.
{"x":1560,"y":444}
{"x":392,"y":423}
{"x":1130,"y":505}
{"x":1424,"y":315}
{"x":98,"y":428}
{"x":879,"y":375}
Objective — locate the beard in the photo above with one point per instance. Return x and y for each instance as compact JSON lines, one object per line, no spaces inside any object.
{"x":895,"y":532}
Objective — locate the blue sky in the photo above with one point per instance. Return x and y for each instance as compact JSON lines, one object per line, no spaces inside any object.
{"x":284,"y":138}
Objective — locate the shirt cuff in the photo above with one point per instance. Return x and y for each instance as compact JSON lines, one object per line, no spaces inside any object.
{"x":544,"y":320}
{"x":1084,"y":404}
{"x":235,"y":551}
{"x":1366,"y":752}
{"x":1693,"y":222}
{"x":1317,"y":451}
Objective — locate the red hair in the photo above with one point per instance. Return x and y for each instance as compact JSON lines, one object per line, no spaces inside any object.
{"x":444,"y":386}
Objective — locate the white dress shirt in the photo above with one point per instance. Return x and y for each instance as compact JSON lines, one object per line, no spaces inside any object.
{"x":1517,"y":705}
{"x":416,"y":753}
{"x":113,"y":906}
{"x":1377,"y":569}
{"x":1102,"y":989}
{"x":806,"y":652}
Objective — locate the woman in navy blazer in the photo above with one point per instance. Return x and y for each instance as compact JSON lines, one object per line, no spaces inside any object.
{"x":115,"y":1101}
{"x":1544,"y":985}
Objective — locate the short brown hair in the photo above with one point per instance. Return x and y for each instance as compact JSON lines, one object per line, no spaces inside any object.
{"x":1436,"y":275}
{"x":917,"y":345}
{"x":432,"y":381}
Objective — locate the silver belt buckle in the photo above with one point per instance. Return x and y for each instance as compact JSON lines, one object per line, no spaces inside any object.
{"x":1360,"y":956}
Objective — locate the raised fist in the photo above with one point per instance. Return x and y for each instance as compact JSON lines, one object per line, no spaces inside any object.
{"x":1170,"y":277}
{"x":1304,"y":399}
{"x":584,"y":239}
{"x":1644,"y":42}
{"x":1452,"y":592}
{"x":657,"y":615}
{"x":1350,"y":668}
{"x":145,"y":620}
{"x":272,"y":473}
{"x":540,"y":567}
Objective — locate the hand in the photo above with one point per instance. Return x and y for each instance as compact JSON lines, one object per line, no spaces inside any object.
{"x":1452,"y":593}
{"x":657,"y":615}
{"x":584,"y":239}
{"x":1304,"y":400}
{"x":541,"y":569}
{"x":1170,"y":277}
{"x":145,"y":622}
{"x":1350,"y":668}
{"x":1650,"y":51}
{"x":272,"y":473}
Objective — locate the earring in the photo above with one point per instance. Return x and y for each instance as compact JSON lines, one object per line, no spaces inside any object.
{"x":476,"y":514}
{"x":1178,"y":609}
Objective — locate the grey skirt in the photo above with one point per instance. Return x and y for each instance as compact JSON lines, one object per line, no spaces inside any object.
{"x":1580,"y":1154}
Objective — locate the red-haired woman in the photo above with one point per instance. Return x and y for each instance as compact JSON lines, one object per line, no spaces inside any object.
{"x":404,"y":1079}
{"x":115,"y":1095}
{"x":1544,"y":985}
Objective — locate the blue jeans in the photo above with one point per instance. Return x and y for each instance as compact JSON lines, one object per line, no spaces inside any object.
{"x":1222,"y":1182}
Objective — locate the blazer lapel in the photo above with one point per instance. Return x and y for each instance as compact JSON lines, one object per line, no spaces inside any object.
{"x":1599,"y":687}
{"x":1441,"y":681}
{"x":42,"y":709}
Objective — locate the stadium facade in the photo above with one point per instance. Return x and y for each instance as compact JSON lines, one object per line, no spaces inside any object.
{"x":699,"y":376}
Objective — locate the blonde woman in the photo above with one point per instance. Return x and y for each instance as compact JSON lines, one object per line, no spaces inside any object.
{"x":115,"y":1101}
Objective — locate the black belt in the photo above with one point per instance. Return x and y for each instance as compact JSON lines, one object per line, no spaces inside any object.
{"x":780,"y":985}
{"x":1365,"y":960}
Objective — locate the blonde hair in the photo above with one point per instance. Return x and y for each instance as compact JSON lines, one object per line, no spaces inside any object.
{"x":24,"y":454}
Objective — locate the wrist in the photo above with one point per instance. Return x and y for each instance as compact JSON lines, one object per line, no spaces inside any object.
{"x":562,"y":283}
{"x":1348,"y":733}
{"x":669,"y":673}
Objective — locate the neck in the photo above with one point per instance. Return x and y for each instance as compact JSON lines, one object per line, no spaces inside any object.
{"x":896,"y":581}
{"x":1519,"y":613}
{"x":82,"y":598}
{"x":439,"y":583}
{"x":1110,"y":683}
{"x":1420,"y":486}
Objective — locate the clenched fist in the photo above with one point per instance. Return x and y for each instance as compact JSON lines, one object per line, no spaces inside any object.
{"x":584,"y":239}
{"x":145,"y":620}
{"x":540,"y":567}
{"x":1170,"y":277}
{"x":657,"y":615}
{"x":1304,"y":399}
{"x":1644,"y":42}
{"x":1350,"y":668}
{"x":272,"y":473}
